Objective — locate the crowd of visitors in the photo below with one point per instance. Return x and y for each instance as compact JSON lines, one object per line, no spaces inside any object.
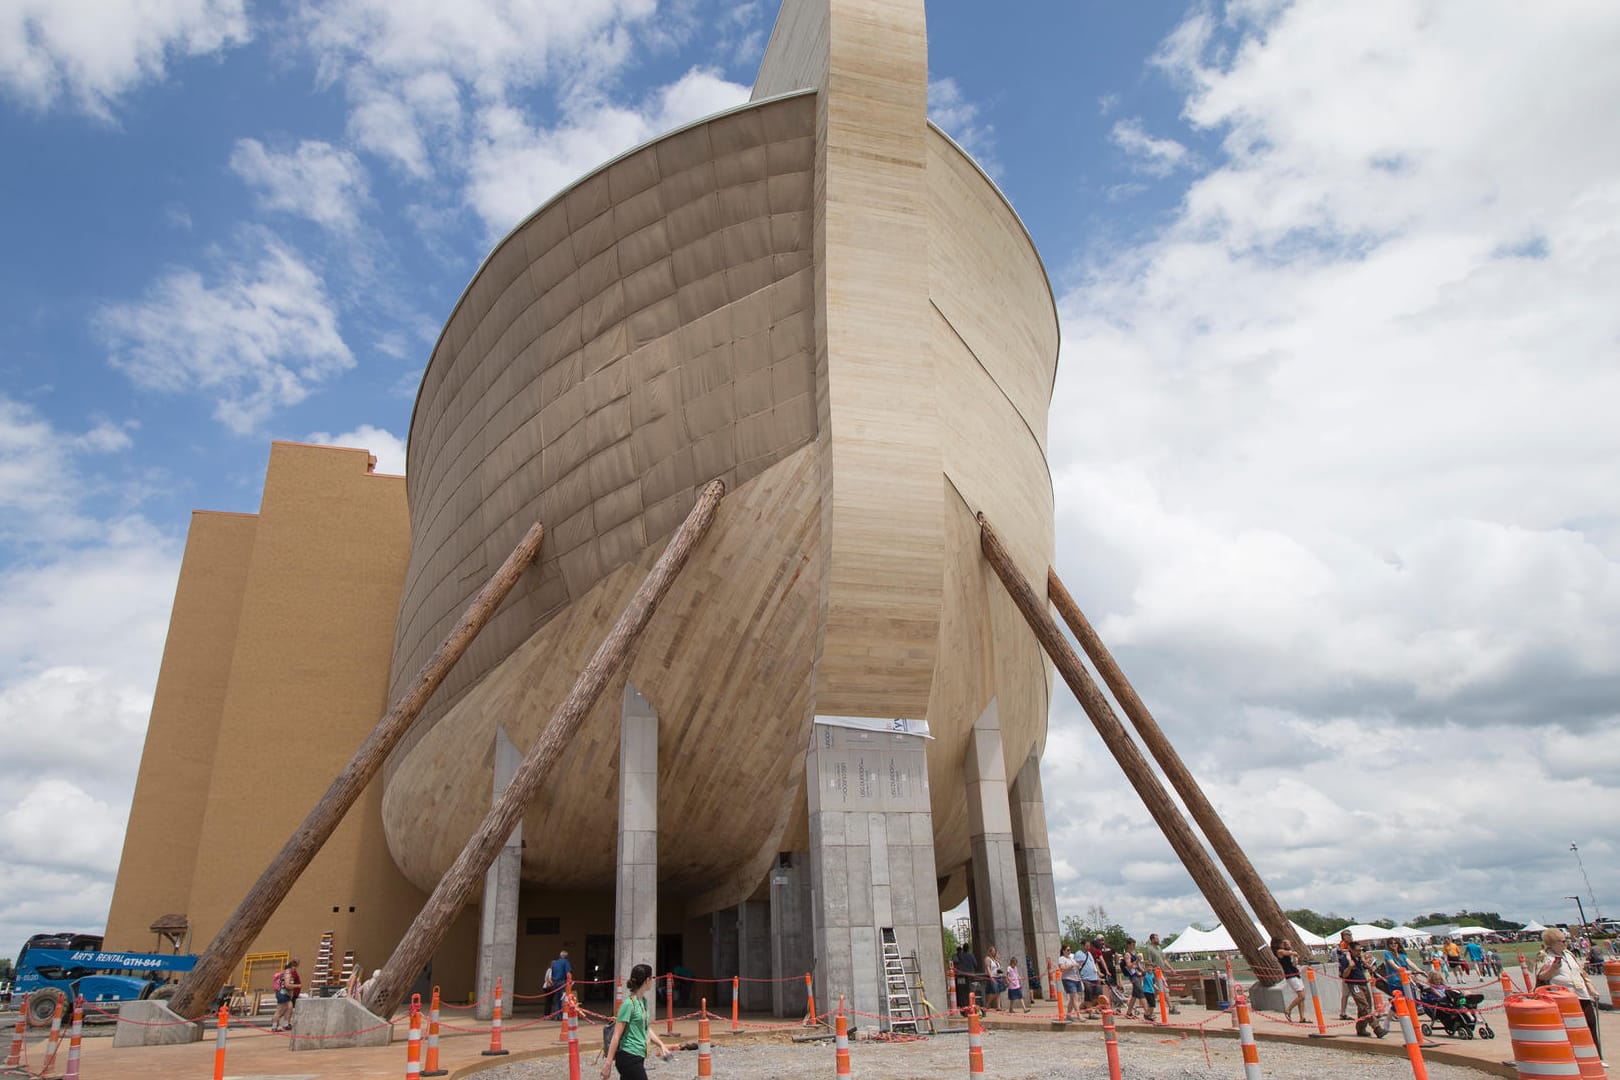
{"x":1129,"y":979}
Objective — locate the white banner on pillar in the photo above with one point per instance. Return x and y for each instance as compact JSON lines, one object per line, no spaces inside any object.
{"x":873,"y":769}
{"x":876,"y":723}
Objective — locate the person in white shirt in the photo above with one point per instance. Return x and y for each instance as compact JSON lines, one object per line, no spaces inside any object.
{"x":1557,"y":965}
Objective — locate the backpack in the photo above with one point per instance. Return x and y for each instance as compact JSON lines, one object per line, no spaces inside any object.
{"x":278,"y":980}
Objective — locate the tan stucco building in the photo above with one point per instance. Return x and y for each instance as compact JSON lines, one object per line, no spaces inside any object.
{"x":817,"y":297}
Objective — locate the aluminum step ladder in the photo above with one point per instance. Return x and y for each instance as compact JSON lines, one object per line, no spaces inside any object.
{"x":897,"y":986}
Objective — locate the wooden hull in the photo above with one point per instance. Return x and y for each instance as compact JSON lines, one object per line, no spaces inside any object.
{"x":597,"y":391}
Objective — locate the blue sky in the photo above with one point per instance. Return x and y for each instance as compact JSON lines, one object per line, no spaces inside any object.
{"x":1333,"y":439}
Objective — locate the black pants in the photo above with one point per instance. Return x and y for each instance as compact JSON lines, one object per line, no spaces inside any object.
{"x":630,"y":1066}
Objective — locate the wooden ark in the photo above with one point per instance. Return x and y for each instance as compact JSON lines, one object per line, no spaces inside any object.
{"x":821,"y":299}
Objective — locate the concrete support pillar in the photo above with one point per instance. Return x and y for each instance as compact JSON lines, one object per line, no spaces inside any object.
{"x":872,"y":861}
{"x":754,"y":954}
{"x":498,"y":925}
{"x":793,"y":951}
{"x":1037,"y":891}
{"x":635,"y":900}
{"x":997,"y":912}
{"x":725,"y":932}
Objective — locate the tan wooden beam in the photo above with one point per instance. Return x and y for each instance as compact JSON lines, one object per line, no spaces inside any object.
{"x":1203,"y":812}
{"x":416,"y":948}
{"x":196,"y":992}
{"x":1182,"y":839}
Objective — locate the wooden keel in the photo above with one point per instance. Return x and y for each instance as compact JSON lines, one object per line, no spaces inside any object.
{"x":225,"y":952}
{"x":1203,"y":812}
{"x":1136,"y":768}
{"x":416,"y":948}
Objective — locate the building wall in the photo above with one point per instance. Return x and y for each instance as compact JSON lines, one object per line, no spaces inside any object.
{"x":171,"y":789}
{"x":266,"y":710}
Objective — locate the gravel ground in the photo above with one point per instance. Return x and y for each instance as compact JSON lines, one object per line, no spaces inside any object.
{"x":1012,"y":1055}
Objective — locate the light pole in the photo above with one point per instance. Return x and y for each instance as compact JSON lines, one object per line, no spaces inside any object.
{"x":1579,"y":908}
{"x":1597,"y":912}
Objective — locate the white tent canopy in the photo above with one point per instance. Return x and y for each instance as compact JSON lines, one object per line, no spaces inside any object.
{"x":1194,"y":940}
{"x":1532,"y":927}
{"x":1471,"y":931}
{"x":1407,"y":933}
{"x":1364,"y":932}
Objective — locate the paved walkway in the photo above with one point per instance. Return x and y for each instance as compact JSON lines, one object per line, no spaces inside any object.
{"x":254,"y":1054}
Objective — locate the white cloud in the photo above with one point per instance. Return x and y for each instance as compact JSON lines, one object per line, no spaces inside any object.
{"x":81,"y":631}
{"x":959,"y":118}
{"x":414,"y":73}
{"x":259,"y":338}
{"x":93,"y":51}
{"x":1342,"y":481}
{"x":316,"y":180}
{"x":1154,"y":156}
{"x":514,"y":166}
{"x":388,"y":448}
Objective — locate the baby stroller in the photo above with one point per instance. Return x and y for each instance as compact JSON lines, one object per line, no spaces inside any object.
{"x":1453,"y":1011}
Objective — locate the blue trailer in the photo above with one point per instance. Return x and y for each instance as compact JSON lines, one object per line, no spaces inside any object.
{"x":61,"y":967}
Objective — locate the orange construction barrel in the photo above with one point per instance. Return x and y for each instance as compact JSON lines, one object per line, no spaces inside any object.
{"x":1611,"y":973}
{"x":1541,"y":1044}
{"x":1580,"y":1035}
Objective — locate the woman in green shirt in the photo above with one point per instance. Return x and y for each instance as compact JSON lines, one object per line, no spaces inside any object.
{"x":631,"y":1031}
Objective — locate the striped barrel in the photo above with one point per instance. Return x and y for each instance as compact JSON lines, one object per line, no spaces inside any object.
{"x":1580,"y":1035}
{"x":975,"y":1039}
{"x":705,"y":1065}
{"x":413,"y":1046}
{"x":1611,"y":975}
{"x":841,"y":1041}
{"x":1541,"y":1044}
{"x":1251,"y":1053}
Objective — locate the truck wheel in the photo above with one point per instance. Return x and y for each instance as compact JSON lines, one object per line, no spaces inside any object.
{"x":42,"y":1006}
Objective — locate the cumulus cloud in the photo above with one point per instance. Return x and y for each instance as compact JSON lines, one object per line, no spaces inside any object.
{"x":1154,"y":156}
{"x":90,"y":52}
{"x":961,"y":119}
{"x":515,"y":166}
{"x":259,"y":337}
{"x":81,"y":631}
{"x":1343,"y":483}
{"x":315,"y":180}
{"x":388,"y":448}
{"x":413,"y":72}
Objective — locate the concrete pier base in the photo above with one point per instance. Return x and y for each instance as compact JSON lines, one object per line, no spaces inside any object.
{"x":153,"y":1023}
{"x":635,"y":899}
{"x":337,"y":1023}
{"x":997,"y":908}
{"x":754,"y":955}
{"x":793,"y":951}
{"x":872,"y":862}
{"x":1037,"y":891}
{"x":498,"y":924}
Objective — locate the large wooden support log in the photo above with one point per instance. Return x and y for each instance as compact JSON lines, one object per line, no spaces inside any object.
{"x":1137,"y":770}
{"x":1192,"y":796}
{"x":467,"y":872}
{"x":225,"y":952}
